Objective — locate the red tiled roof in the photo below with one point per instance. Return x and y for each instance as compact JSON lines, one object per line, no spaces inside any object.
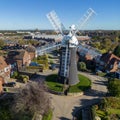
{"x":3,"y":63}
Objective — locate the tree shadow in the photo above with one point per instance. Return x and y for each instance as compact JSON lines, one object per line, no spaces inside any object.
{"x":95,"y":93}
{"x":63,"y":118}
{"x":100,"y":82}
{"x":86,"y":104}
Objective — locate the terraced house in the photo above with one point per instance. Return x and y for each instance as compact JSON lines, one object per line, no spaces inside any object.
{"x":4,"y":72}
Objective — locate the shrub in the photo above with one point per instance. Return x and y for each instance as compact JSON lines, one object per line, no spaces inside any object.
{"x":114,"y":87}
{"x":93,"y":111}
{"x":82,"y":66}
{"x":15,"y":75}
{"x":48,"y":116}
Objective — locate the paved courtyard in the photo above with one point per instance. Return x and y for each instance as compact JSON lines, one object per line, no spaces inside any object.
{"x":66,"y":106}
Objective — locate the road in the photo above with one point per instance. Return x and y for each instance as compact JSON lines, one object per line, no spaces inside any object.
{"x":65,"y":107}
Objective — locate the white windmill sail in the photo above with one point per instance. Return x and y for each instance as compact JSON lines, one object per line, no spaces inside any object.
{"x":90,"y":12}
{"x":55,"y":21}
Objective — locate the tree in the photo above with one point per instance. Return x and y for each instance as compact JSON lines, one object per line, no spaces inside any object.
{"x":106,"y":44}
{"x":114,"y":87}
{"x":117,"y":51}
{"x":21,"y":42}
{"x":2,"y":43}
{"x":81,"y":66}
{"x":96,"y":45}
{"x":31,"y":100}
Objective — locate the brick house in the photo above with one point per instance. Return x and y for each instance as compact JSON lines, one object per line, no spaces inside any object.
{"x":4,"y":69}
{"x":1,"y":84}
{"x":32,"y":51}
{"x":108,"y":62}
{"x":88,"y":55}
{"x":20,"y":57}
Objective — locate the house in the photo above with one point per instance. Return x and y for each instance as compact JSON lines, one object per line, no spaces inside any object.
{"x":87,"y":52}
{"x":4,"y":69}
{"x":88,"y":55}
{"x":32,"y":51}
{"x":108,"y":62}
{"x":19,"y":57}
{"x":1,"y":84}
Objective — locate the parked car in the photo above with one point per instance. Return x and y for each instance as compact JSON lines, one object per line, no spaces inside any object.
{"x":53,"y":67}
{"x":10,"y":84}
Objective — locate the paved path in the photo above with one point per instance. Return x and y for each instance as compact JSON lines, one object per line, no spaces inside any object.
{"x":66,"y":106}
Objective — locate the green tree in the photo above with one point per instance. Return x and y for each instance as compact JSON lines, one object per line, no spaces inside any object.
{"x":21,"y":42}
{"x":106,"y":44}
{"x":114,"y":87}
{"x":117,"y":51}
{"x":82,"y":66}
{"x":96,"y":45}
{"x":2,"y":43}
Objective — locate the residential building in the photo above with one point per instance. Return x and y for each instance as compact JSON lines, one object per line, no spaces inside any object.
{"x":108,"y":62}
{"x":32,"y":51}
{"x":4,"y":69}
{"x":1,"y":83}
{"x":20,"y":57}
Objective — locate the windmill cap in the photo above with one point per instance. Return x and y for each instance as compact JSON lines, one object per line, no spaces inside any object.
{"x":73,"y":27}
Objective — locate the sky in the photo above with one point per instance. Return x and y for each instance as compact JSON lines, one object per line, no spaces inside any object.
{"x":31,"y":14}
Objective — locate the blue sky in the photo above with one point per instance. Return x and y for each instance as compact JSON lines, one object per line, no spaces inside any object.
{"x":31,"y":14}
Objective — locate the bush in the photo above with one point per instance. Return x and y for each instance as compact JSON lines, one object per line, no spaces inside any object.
{"x":93,"y":110}
{"x":82,"y":66}
{"x":23,"y":78}
{"x":114,"y":87}
{"x":15,"y":75}
{"x":48,"y":116}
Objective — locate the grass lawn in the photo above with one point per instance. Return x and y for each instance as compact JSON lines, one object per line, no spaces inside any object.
{"x":114,"y":111}
{"x":84,"y":84}
{"x":52,"y":83}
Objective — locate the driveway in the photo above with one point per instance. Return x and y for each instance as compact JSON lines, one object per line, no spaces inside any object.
{"x":65,"y":107}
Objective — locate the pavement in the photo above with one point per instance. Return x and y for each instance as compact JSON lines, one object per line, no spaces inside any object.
{"x":65,"y":107}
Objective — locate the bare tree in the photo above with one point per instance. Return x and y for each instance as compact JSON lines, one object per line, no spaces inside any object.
{"x":32,"y":99}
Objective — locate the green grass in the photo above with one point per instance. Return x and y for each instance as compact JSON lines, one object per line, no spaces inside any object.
{"x":114,"y":111}
{"x":53,"y":84}
{"x":84,"y":84}
{"x":101,"y":74}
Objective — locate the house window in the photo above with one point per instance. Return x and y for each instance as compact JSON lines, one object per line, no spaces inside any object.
{"x":119,"y":65}
{"x":111,"y":66}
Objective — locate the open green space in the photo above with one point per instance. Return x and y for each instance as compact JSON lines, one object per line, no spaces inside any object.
{"x":53,"y":84}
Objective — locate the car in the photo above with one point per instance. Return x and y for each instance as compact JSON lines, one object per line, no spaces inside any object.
{"x":10,"y":84}
{"x":53,"y":67}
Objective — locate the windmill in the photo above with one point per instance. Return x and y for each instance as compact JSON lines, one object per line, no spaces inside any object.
{"x":68,"y":64}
